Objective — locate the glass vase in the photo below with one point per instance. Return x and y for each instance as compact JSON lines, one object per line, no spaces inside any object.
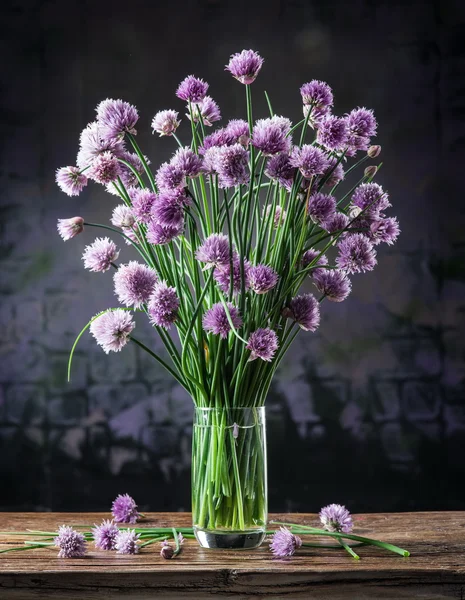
{"x":229,"y":477}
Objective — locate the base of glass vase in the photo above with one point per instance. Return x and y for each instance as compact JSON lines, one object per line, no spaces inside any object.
{"x":230,"y":540}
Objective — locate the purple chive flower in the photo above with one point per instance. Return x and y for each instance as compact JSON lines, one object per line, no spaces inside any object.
{"x":187,"y":162}
{"x":356,"y":254}
{"x":305,"y":311}
{"x":71,"y":543}
{"x":105,"y":168}
{"x":321,"y":207}
{"x":161,"y":234}
{"x":245,"y":66}
{"x":127,"y":542}
{"x":98,"y":256}
{"x":238,"y":129}
{"x":163,"y":305}
{"x":92,"y":144}
{"x":272,"y":135}
{"x":384,"y":230}
{"x":333,"y":133}
{"x":143,"y":201}
{"x":309,"y":256}
{"x":334,"y":284}
{"x":232,"y":165}
{"x":337,"y":222}
{"x":69,"y":228}
{"x":191,"y":89}
{"x":309,"y":160}
{"x":336,"y":518}
{"x":371,"y":198}
{"x":170,"y":177}
{"x":210,"y":160}
{"x":167,"y":550}
{"x":216,"y":321}
{"x":126,"y":174}
{"x":105,"y":535}
{"x":318,"y":95}
{"x":124,"y":509}
{"x":116,"y":118}
{"x":112,"y":329}
{"x":284,"y":543}
{"x":220,"y":137}
{"x":362,"y":123}
{"x":208,"y":109}
{"x":134,"y":283}
{"x":262,"y":278}
{"x":165,"y":122}
{"x":280,"y":169}
{"x":122,"y":216}
{"x":70,"y":180}
{"x":334,"y":173}
{"x":262,"y":343}
{"x":279,"y":215}
{"x":168,"y":209}
{"x":214,"y":251}
{"x":223,"y":276}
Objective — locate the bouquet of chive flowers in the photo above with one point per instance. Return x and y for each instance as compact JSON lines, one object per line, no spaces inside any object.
{"x":226,"y":234}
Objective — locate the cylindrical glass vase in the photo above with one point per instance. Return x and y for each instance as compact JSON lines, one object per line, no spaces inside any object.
{"x":229,"y":477}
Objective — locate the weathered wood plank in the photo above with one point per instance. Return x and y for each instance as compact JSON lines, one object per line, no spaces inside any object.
{"x":436,"y":568}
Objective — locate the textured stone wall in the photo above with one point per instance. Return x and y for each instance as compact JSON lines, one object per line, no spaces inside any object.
{"x":369,"y":411}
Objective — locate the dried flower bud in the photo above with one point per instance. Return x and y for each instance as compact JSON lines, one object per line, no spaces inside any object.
{"x":354,"y":212}
{"x":370,"y":171}
{"x":374,"y":151}
{"x":166,"y":551}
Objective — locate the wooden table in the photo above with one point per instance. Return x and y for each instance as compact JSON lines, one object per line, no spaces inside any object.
{"x":435,"y":569}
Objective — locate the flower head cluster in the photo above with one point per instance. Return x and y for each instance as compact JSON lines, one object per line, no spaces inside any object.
{"x":98,"y":256}
{"x":336,"y":222}
{"x":216,"y":321}
{"x":122,"y":217}
{"x":263,"y":344}
{"x":206,"y":111}
{"x":116,"y":118}
{"x":92,"y":143}
{"x":124,"y":509}
{"x":105,"y":535}
{"x":165,"y":122}
{"x":337,"y":518}
{"x":159,"y":234}
{"x":105,"y":168}
{"x":71,"y":543}
{"x":163,"y":305}
{"x":312,"y":257}
{"x":305,"y":311}
{"x":245,"y":66}
{"x":70,"y":180}
{"x":168,"y":208}
{"x":362,"y":126}
{"x":310,"y":160}
{"x":134,"y":283}
{"x":333,"y":133}
{"x":272,"y":135}
{"x":191,"y":89}
{"x":262,"y":278}
{"x":187,"y":162}
{"x":371,"y":198}
{"x":143,"y":201}
{"x":126,"y":542}
{"x":215,"y":251}
{"x":231,"y":164}
{"x":384,"y":230}
{"x":280,"y":169}
{"x":112,"y":329}
{"x":170,"y":177}
{"x":356,"y":254}
{"x":333,"y":284}
{"x":317,"y":98}
{"x":285,"y":543}
{"x":69,"y":228}
{"x":321,"y":207}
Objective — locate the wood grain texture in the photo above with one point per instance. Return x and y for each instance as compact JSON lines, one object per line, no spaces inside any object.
{"x":435,"y":569}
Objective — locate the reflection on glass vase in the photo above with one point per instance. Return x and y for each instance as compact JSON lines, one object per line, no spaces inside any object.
{"x":229,"y":477}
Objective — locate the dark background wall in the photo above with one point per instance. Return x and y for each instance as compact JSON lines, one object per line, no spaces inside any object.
{"x":370,"y":411}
